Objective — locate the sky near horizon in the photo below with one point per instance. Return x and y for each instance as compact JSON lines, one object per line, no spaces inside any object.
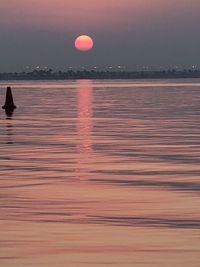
{"x":126,"y":32}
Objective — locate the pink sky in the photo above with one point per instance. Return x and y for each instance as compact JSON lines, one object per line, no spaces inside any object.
{"x":125,"y":32}
{"x":87,"y":15}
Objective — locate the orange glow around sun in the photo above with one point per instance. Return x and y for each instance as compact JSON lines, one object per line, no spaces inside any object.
{"x":84,"y":43}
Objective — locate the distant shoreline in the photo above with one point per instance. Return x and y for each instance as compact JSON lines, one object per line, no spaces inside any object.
{"x":99,"y":75}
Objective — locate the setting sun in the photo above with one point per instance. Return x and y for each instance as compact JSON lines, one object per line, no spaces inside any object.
{"x":84,"y":43}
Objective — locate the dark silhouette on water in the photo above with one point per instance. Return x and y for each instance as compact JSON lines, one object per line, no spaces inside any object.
{"x":9,"y":105}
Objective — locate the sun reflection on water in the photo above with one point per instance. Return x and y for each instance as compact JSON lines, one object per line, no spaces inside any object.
{"x":84,"y":127}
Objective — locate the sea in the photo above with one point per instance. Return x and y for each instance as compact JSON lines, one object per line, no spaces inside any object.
{"x":100,"y":173}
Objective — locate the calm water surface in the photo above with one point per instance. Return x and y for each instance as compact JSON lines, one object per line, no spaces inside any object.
{"x":99,"y":173}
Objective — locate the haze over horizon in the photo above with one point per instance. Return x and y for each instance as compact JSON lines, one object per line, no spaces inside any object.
{"x":128,"y":33}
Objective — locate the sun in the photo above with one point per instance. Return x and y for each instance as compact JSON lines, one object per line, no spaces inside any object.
{"x":84,"y":43}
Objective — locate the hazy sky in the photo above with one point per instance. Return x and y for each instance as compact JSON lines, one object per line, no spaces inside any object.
{"x":125,"y":32}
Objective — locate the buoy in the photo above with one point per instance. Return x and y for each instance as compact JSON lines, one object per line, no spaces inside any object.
{"x":9,"y":105}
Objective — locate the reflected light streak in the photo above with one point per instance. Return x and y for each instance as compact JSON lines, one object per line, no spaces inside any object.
{"x":84,"y":128}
